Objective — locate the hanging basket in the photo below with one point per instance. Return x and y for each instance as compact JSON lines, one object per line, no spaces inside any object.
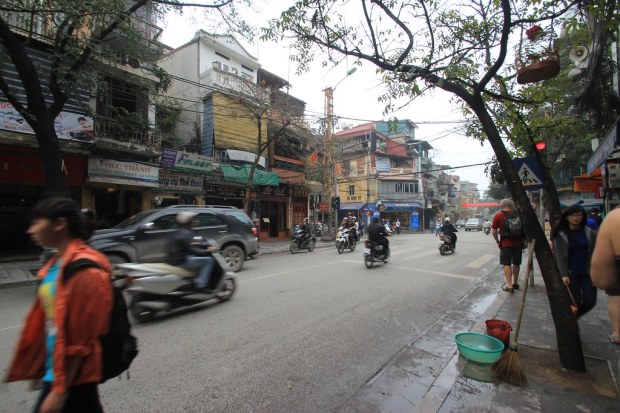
{"x":539,"y":67}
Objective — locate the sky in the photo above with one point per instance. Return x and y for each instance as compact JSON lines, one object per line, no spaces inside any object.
{"x":356,"y":96}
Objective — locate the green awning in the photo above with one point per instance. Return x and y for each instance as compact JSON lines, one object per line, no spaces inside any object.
{"x":240,"y":173}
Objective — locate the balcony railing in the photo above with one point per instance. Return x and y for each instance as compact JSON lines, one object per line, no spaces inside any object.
{"x":404,"y":173}
{"x":231,"y":83}
{"x":24,"y":22}
{"x":122,"y":131}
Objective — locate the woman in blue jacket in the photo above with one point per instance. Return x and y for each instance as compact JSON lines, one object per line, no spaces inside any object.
{"x":573,"y":244}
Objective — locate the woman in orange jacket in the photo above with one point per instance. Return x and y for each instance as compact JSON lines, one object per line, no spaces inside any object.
{"x":59,"y":344}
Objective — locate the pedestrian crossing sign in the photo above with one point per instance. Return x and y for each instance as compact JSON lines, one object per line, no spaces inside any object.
{"x":530,"y":172}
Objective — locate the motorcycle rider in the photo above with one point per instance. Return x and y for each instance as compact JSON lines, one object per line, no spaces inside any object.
{"x":487,"y":226}
{"x":449,"y":229}
{"x":377,"y":234}
{"x":305,"y":232}
{"x":354,"y":228}
{"x":181,"y":253}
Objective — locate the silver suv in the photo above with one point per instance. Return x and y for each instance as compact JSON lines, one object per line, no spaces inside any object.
{"x":145,"y":236}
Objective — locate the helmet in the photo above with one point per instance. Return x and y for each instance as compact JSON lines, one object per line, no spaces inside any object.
{"x":185,"y":217}
{"x":447,"y":219}
{"x":345,"y":219}
{"x":375,"y":219}
{"x":305,"y":219}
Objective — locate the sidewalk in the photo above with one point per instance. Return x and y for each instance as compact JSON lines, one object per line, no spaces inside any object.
{"x":428,"y":375}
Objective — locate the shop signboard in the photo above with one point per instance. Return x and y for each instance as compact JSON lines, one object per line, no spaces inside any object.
{"x":171,"y":182}
{"x":68,"y":125}
{"x":118,"y":172}
{"x":274,"y":190}
{"x":225,"y":191}
{"x":184,"y":161}
{"x":323,"y":206}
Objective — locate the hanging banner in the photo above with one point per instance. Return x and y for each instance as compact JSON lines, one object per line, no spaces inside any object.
{"x":184,"y":161}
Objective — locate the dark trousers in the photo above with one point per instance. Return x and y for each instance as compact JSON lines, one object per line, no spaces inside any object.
{"x":583,"y":292}
{"x":82,"y":398}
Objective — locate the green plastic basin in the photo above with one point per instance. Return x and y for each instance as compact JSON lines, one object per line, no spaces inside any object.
{"x":479,"y":347}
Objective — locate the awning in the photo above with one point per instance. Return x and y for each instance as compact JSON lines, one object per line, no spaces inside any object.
{"x":588,"y":182}
{"x":245,"y":156}
{"x":585,"y":203}
{"x":240,"y":174}
{"x":352,"y":206}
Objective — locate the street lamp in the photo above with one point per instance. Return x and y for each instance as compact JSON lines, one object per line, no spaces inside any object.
{"x":330,"y":185}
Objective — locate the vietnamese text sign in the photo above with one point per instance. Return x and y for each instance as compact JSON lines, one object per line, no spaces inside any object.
{"x":180,"y":183}
{"x":171,"y":158}
{"x":68,"y":125}
{"x":479,"y":204}
{"x":118,"y":172}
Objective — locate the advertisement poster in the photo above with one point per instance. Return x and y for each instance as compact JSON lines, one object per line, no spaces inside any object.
{"x":171,"y":158}
{"x":68,"y":125}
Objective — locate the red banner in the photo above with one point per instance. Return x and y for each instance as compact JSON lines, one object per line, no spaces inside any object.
{"x":21,"y":165}
{"x":479,"y":204}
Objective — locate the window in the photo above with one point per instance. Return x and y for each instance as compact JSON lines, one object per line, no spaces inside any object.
{"x":208,"y":220}
{"x":406,"y":187}
{"x":166,"y":222}
{"x":351,"y":189}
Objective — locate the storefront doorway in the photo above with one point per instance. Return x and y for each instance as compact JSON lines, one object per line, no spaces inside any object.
{"x":275,"y":225}
{"x":114,"y":205}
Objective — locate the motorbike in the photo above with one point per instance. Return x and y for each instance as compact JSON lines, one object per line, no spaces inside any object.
{"x":374,"y":253}
{"x":158,"y":287}
{"x":445,"y":244}
{"x":437,"y":229}
{"x":388,"y":229}
{"x":487,"y":230}
{"x":299,"y":242}
{"x":344,"y":240}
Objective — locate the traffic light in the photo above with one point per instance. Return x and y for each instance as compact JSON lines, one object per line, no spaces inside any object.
{"x":336,"y":202}
{"x":540,"y":146}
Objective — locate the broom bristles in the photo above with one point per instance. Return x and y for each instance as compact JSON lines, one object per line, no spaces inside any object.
{"x":509,"y":369}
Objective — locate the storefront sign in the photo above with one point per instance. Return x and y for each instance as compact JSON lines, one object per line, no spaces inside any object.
{"x":73,"y":126}
{"x":323,"y":206}
{"x":225,"y":191}
{"x":118,"y":172}
{"x":274,"y":190}
{"x":180,"y":183}
{"x":171,"y":158}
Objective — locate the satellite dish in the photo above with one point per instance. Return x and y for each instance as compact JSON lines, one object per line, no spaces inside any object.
{"x":578,"y":54}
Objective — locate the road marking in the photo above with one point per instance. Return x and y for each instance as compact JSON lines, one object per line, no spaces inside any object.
{"x":404,"y":251}
{"x":9,"y":328}
{"x":445,"y":274}
{"x":287,"y":272}
{"x":478,"y":263}
{"x":422,"y":254}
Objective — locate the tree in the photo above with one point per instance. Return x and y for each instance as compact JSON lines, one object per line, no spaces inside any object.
{"x":460,"y":49}
{"x":78,"y":37}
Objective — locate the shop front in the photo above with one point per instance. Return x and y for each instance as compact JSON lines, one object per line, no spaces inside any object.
{"x":406,"y":212}
{"x":274,"y":212}
{"x":117,"y":190}
{"x":224,"y":195}
{"x":299,"y":204}
{"x":22,"y":184}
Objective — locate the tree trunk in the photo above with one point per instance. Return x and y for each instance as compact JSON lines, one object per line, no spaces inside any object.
{"x":567,"y":330}
{"x":51,"y":157}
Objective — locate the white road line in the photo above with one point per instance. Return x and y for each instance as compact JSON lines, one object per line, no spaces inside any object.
{"x":286,"y":272}
{"x":444,"y":274}
{"x":423,"y":254}
{"x":9,"y":328}
{"x":478,"y":263}
{"x":404,"y":251}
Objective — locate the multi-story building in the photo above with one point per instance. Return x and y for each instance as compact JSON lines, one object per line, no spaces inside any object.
{"x":105,"y":132}
{"x":243,"y":118}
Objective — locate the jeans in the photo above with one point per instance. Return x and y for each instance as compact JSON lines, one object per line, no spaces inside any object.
{"x":82,"y":398}
{"x":583,"y":292}
{"x":204,"y":265}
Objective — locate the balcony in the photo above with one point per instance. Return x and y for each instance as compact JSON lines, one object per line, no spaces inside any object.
{"x":27,"y":24}
{"x":124,"y":134}
{"x":232,"y":84}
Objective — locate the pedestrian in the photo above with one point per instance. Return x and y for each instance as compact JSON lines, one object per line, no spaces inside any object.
{"x":595,"y":216}
{"x":573,"y":243}
{"x":605,"y":268}
{"x":508,"y":234}
{"x":59,"y":343}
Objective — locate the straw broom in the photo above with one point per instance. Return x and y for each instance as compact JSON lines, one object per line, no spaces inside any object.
{"x":508,"y":368}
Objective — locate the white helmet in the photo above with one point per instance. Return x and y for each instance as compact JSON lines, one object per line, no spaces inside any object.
{"x":185,"y":217}
{"x":447,"y":219}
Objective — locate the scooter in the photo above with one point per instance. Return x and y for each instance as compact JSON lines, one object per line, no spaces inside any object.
{"x":437,"y":229}
{"x":344,"y":240}
{"x":445,"y":244}
{"x":487,"y":230}
{"x":374,"y":253}
{"x":158,"y":287}
{"x":299,"y":242}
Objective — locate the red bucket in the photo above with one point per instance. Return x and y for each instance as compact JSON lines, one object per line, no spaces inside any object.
{"x":499,"y":329}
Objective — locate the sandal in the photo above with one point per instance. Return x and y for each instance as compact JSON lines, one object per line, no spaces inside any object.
{"x":508,"y":290}
{"x":615,"y":339}
{"x":515,"y":286}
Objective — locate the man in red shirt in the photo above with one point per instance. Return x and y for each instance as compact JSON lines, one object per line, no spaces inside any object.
{"x":511,"y":249}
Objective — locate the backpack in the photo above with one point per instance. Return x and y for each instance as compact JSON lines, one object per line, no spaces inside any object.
{"x":118,"y":346}
{"x":513,"y":229}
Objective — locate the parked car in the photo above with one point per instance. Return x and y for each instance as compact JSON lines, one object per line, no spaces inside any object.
{"x":473,"y":224}
{"x":460,"y":223}
{"x":144,"y":237}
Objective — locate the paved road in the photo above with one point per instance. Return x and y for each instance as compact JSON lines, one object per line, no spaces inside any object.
{"x":303,"y":333}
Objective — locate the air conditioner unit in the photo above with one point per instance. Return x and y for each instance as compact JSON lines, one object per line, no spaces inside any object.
{"x":217,"y":64}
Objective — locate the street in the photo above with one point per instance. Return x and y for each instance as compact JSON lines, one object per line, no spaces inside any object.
{"x":302,"y":334}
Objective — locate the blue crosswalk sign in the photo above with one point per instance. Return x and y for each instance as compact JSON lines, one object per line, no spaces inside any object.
{"x":530,"y":172}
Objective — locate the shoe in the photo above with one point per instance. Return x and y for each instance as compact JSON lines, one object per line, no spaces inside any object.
{"x":508,"y":290}
{"x":515,"y":286}
{"x":615,"y":339}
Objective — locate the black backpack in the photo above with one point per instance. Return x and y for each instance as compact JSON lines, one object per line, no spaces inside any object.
{"x":513,"y":229}
{"x":118,"y":346}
